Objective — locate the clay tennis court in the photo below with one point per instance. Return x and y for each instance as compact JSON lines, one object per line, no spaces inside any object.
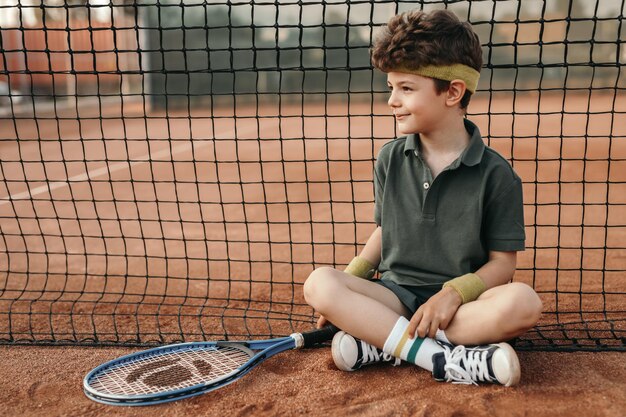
{"x":254,"y":203}
{"x":253,"y":200}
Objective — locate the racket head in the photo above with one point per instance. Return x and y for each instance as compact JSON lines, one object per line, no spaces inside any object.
{"x":174,"y":372}
{"x":183,"y":370}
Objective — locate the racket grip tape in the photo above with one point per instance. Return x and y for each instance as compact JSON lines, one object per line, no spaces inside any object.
{"x":319,"y":336}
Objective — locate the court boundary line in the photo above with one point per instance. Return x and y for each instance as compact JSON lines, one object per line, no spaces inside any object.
{"x":107,"y":169}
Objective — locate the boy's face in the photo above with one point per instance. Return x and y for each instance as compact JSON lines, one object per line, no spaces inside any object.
{"x":416,"y":105}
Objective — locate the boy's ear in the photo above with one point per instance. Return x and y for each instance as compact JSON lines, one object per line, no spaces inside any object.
{"x":456,"y":91}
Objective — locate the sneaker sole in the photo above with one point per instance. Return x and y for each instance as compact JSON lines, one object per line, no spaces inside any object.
{"x":514,"y":366}
{"x":335,"y":349}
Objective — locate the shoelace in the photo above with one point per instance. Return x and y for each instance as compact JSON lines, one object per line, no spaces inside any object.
{"x":465,"y":366}
{"x":372,"y":354}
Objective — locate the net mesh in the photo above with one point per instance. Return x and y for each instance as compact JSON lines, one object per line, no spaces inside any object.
{"x":173,"y":171}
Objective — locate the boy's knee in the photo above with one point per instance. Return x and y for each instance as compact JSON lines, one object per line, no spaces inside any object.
{"x":318,"y":287}
{"x":525,"y":303}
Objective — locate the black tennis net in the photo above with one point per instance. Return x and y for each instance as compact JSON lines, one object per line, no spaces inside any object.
{"x":173,"y":171}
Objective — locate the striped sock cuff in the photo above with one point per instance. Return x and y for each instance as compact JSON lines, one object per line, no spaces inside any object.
{"x":407,"y":348}
{"x":395,"y":335}
{"x":399,"y":344}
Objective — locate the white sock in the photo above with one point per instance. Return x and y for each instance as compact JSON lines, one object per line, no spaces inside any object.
{"x":418,"y":351}
{"x":441,"y":336}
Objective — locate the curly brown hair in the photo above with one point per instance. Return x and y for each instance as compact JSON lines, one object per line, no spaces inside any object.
{"x":415,"y":39}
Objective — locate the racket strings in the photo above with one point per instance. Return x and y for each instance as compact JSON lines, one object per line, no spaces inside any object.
{"x":170,"y":371}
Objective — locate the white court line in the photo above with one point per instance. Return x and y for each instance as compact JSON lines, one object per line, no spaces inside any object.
{"x":48,"y":188}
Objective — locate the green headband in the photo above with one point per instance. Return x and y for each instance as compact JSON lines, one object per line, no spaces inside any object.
{"x":448,"y":73}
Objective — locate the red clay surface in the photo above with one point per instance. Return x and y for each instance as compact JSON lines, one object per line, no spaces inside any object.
{"x":47,"y":381}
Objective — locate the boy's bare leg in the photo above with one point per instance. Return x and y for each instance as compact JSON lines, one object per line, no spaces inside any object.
{"x":499,"y":314}
{"x":369,"y":311}
{"x":372,"y":313}
{"x":362,"y":308}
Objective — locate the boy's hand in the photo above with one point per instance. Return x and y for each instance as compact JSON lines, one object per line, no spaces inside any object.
{"x":436,"y":313}
{"x":321,"y":322}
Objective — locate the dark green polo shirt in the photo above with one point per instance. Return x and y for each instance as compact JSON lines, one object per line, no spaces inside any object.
{"x":436,"y":229}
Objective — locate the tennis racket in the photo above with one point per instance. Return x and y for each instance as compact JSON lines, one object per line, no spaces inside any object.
{"x":184,"y":370}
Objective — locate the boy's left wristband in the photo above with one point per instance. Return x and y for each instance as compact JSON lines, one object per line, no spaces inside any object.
{"x":360,"y":267}
{"x":468,"y":286}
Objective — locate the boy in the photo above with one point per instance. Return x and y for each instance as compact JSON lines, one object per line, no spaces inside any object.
{"x":449,"y":218}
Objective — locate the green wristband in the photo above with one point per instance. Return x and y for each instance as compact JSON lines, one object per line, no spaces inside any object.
{"x":469,"y":286}
{"x":361,"y":268}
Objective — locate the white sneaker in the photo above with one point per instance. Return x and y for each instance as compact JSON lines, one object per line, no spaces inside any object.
{"x":350,"y":353}
{"x":494,"y":363}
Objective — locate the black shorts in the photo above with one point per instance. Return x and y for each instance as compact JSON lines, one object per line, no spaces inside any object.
{"x":411,"y":296}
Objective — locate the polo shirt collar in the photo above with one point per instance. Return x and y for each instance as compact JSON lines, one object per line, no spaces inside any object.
{"x":472,"y":155}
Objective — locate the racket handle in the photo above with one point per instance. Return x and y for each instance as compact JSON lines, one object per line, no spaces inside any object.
{"x":319,"y":336}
